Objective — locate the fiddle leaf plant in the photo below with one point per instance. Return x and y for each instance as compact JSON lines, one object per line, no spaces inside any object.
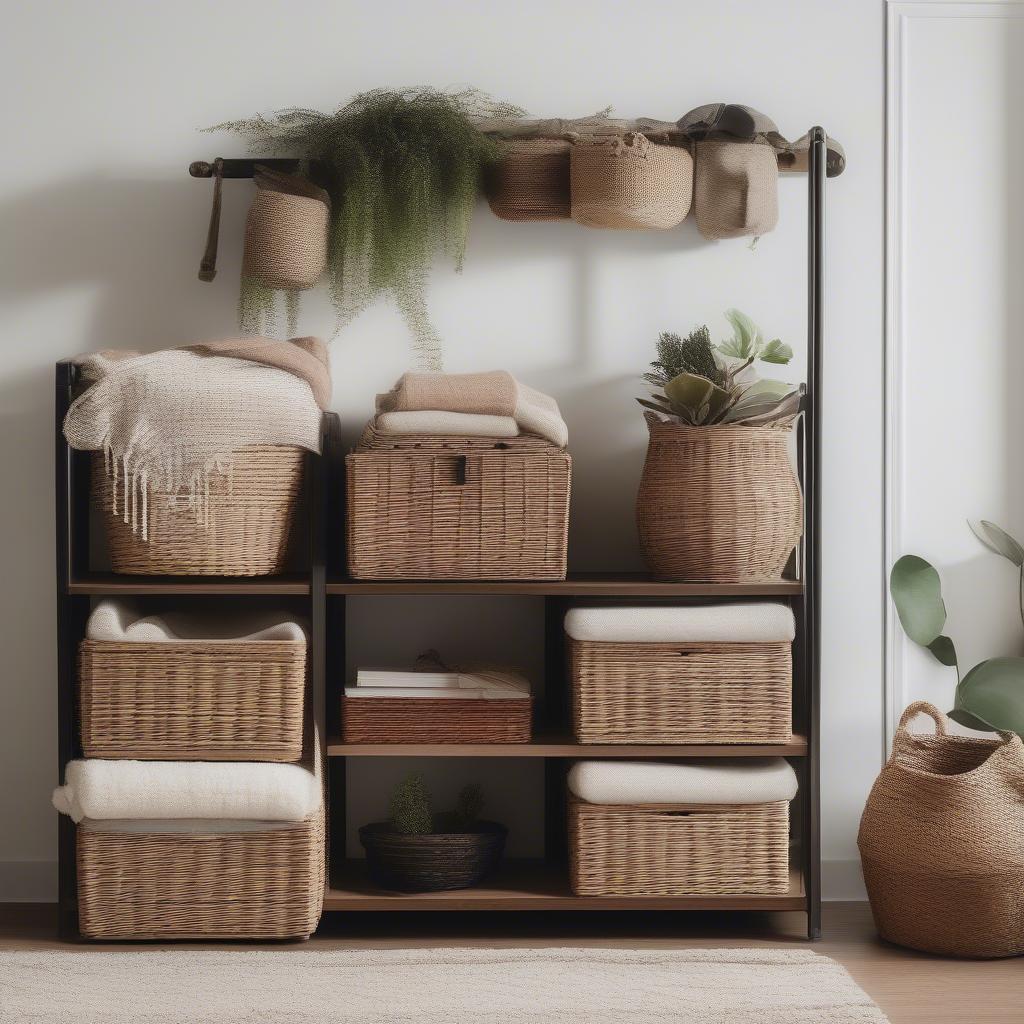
{"x":991,"y":695}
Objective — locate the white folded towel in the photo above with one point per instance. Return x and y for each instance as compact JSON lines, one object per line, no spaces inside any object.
{"x":750,"y":622}
{"x":121,"y":622}
{"x":700,"y":781}
{"x":131,"y":790}
{"x":452,"y":424}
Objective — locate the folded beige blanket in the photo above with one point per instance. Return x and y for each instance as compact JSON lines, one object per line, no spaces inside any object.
{"x":495,"y":393}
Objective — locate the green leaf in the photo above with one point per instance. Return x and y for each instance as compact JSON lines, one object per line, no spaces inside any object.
{"x":917,"y":593}
{"x":996,"y":539}
{"x":969,"y":721}
{"x":993,"y":691}
{"x":776,"y":352}
{"x":944,"y":650}
{"x":694,"y":396}
{"x":746,"y":340}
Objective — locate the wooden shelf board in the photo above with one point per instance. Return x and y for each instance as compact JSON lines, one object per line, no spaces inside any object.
{"x":112,"y":583}
{"x":576,"y":585}
{"x":527,"y":885}
{"x":565,"y":746}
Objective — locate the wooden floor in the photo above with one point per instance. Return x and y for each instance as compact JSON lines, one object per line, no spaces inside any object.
{"x":911,"y":987}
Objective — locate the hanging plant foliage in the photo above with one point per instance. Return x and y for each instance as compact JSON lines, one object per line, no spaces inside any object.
{"x":403,"y":169}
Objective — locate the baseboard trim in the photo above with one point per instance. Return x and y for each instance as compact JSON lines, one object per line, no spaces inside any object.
{"x":28,"y":881}
{"x":842,"y":880}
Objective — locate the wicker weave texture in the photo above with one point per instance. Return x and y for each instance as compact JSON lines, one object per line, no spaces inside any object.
{"x":435,"y":720}
{"x":252,"y":510}
{"x":457,"y":508}
{"x":681,"y":693}
{"x":285,"y":239}
{"x":942,"y":842}
{"x":192,"y":700}
{"x":718,"y":504}
{"x":239,"y":885}
{"x":531,"y":181}
{"x":665,"y":850}
{"x":630,"y":182}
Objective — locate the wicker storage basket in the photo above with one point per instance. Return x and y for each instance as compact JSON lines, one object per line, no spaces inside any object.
{"x":263,"y":883}
{"x":736,"y":188}
{"x":719,"y":504}
{"x":435,"y":720}
{"x":681,"y":692}
{"x":251,"y":513}
{"x":678,"y":850}
{"x":531,"y":181}
{"x":457,"y":508}
{"x":942,"y":842}
{"x":630,"y":182}
{"x":192,"y":700}
{"x":432,"y":863}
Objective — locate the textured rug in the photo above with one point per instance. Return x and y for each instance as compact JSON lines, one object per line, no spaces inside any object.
{"x":430,"y":986}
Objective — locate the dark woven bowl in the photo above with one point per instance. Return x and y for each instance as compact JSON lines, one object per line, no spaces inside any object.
{"x":431,"y":863}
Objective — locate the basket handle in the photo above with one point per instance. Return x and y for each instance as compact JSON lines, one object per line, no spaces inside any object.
{"x":923,"y":707}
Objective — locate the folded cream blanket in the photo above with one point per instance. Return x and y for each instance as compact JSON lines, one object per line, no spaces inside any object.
{"x":169,"y":420}
{"x":754,"y":622}
{"x":496,"y":393}
{"x":122,"y":622}
{"x":711,"y":781}
{"x":132,"y":790}
{"x":451,"y":424}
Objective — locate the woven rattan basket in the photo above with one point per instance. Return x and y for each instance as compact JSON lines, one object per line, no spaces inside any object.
{"x":678,"y":850}
{"x":531,"y":181}
{"x":457,"y":508}
{"x":719,"y":504}
{"x":265,"y":882}
{"x":251,"y":514}
{"x":435,"y":720}
{"x":942,"y":842}
{"x":192,"y":700}
{"x":630,"y":182}
{"x":681,"y":692}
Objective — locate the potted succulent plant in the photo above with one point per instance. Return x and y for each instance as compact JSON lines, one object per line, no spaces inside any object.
{"x":419,"y":851}
{"x":719,"y":498}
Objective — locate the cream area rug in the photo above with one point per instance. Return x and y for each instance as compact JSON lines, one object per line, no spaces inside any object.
{"x":430,"y":986}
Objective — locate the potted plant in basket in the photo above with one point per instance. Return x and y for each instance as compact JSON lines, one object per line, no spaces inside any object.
{"x":719,"y":498}
{"x":419,"y":851}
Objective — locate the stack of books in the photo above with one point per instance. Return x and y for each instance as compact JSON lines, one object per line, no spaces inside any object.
{"x":482,"y":684}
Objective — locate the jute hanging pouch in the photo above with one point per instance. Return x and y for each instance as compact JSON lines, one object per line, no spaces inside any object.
{"x":736,"y":188}
{"x":629,"y":182}
{"x":942,"y":842}
{"x":530,"y":181}
{"x":286,"y":231}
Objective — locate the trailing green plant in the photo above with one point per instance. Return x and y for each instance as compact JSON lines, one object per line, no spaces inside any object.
{"x":700,"y":383}
{"x":411,"y":809}
{"x":991,"y":695}
{"x":403,"y":168}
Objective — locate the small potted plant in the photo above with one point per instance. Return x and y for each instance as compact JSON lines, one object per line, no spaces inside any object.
{"x":719,"y":499}
{"x":419,"y":851}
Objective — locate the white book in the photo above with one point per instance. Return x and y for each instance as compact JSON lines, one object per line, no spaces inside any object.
{"x":476,"y":679}
{"x":399,"y":677}
{"x":443,"y":692}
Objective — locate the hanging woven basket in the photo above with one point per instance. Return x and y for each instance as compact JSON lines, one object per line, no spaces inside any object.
{"x":942,"y":842}
{"x":531,"y":181}
{"x":629,"y":182}
{"x":718,"y":504}
{"x":286,"y":232}
{"x":735,"y":189}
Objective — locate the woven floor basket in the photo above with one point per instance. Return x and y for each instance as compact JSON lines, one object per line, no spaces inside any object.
{"x":457,"y":508}
{"x":681,"y":692}
{"x":942,"y":842}
{"x":251,"y":518}
{"x":531,"y":181}
{"x":435,"y":720}
{"x":718,"y":504}
{"x":192,"y":700}
{"x":432,"y":863}
{"x":266,"y":884}
{"x":677,"y":850}
{"x":630,"y":182}
{"x":285,"y":239}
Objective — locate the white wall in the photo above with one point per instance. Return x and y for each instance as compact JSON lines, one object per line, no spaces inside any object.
{"x":955,"y":411}
{"x":102,"y":229}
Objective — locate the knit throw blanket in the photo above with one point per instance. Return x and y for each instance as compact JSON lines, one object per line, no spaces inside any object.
{"x":496,"y":393}
{"x":167,"y":421}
